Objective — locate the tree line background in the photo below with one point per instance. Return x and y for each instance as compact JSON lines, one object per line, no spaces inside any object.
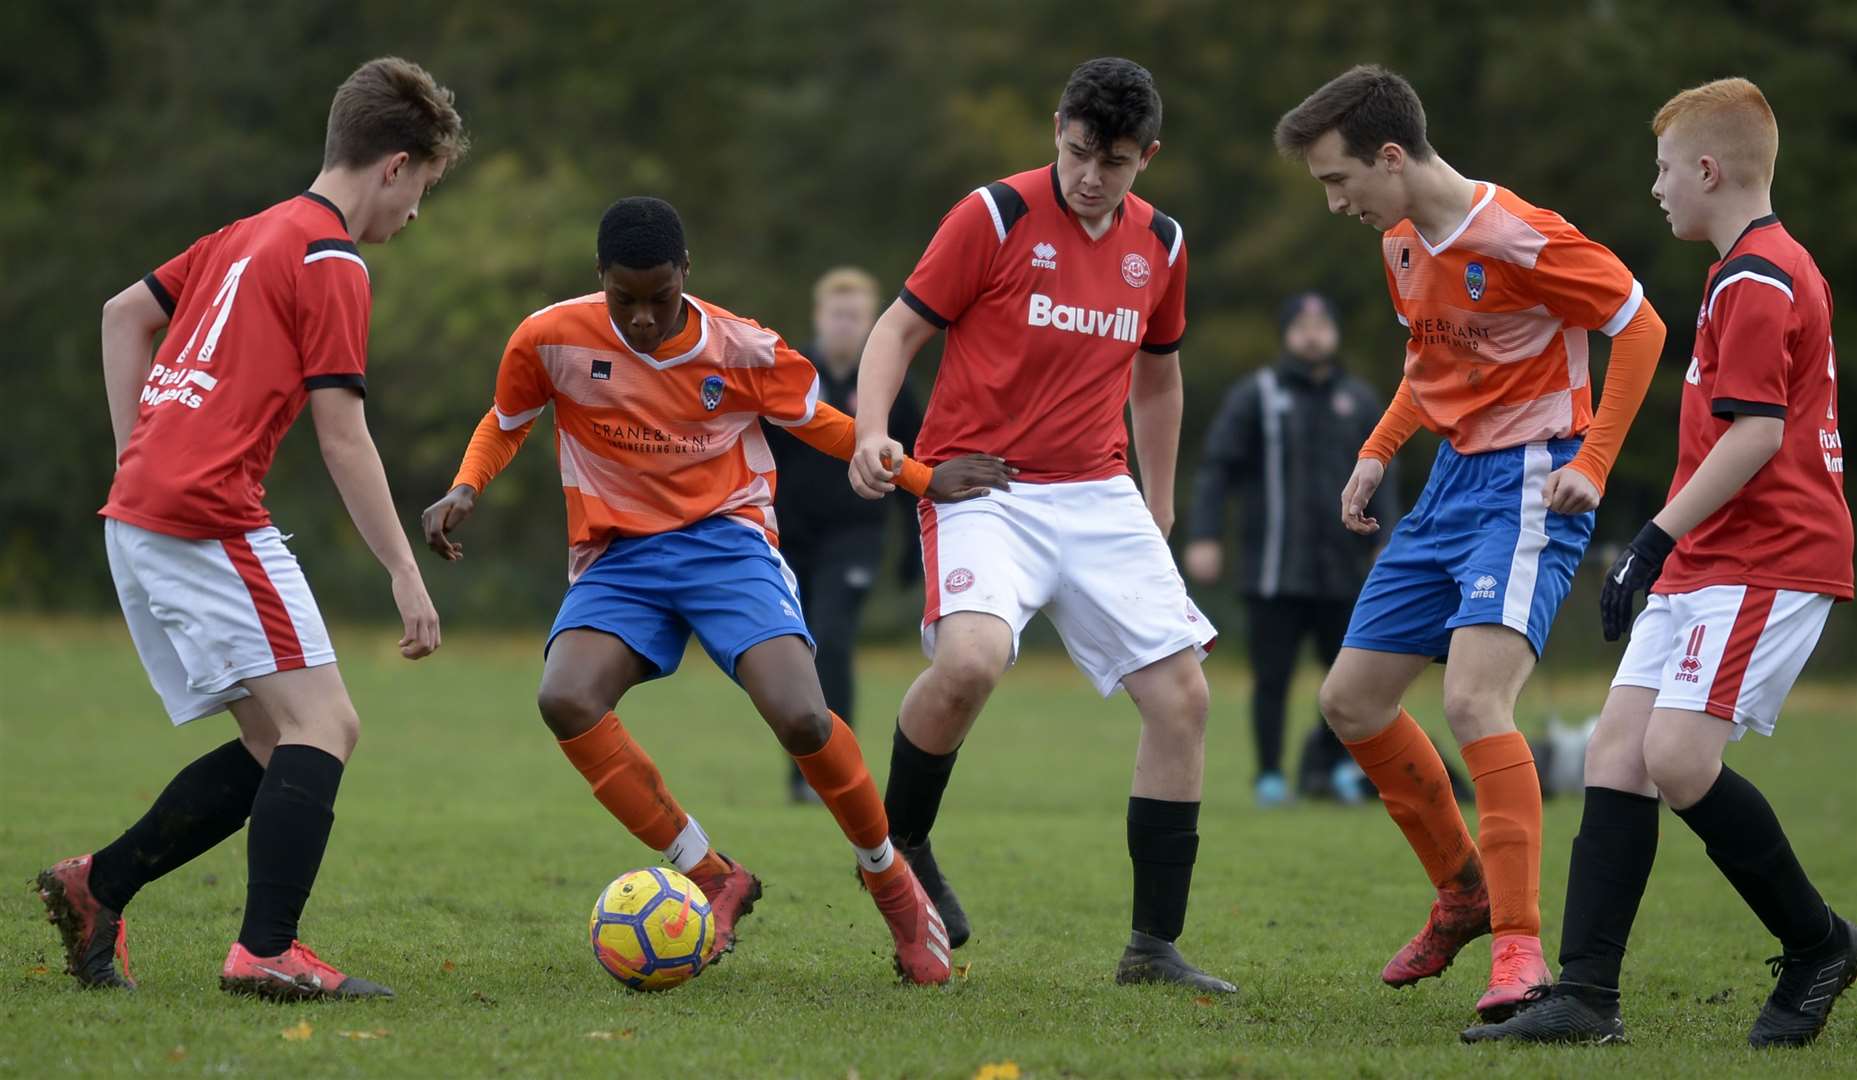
{"x":793,"y":137}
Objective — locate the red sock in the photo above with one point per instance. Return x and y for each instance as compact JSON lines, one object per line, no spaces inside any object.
{"x":837,"y":772}
{"x":1405,"y":766}
{"x":1508,"y":829}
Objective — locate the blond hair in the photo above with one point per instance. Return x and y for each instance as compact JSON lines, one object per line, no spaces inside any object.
{"x":844,"y":279}
{"x":1730,"y":120}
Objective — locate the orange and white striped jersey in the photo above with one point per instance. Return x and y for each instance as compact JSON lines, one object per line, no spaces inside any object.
{"x":1499,"y":312}
{"x":653,"y":443}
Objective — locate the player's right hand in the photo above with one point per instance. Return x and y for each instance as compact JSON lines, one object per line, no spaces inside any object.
{"x":1368,"y":472}
{"x":875,"y":464}
{"x":445,"y":515}
{"x":420,"y":637}
{"x":1204,"y":560}
{"x":969,"y":477}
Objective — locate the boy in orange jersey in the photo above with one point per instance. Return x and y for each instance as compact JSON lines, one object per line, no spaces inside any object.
{"x":658,"y":400}
{"x":1499,"y":296}
{"x":1743,"y":565}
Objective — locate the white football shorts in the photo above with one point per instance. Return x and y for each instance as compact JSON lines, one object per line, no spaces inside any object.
{"x":1086,"y":553}
{"x":207,"y":614}
{"x":1731,"y":651}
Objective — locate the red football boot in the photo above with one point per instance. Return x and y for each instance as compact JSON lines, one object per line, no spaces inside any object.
{"x":921,"y":937}
{"x":731,"y":897}
{"x":296,"y":974}
{"x":1457,"y":919}
{"x":95,"y":939}
{"x":1516,"y":967}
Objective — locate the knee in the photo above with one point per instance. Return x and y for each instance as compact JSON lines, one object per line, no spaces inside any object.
{"x":1680,"y":769}
{"x":1473,"y":713}
{"x":1613,"y":760}
{"x":966,"y":677}
{"x":801,"y":729}
{"x":569,"y":710}
{"x":339,"y":729}
{"x":1176,"y":706}
{"x":1349,"y":713}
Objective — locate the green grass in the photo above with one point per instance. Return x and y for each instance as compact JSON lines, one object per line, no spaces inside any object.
{"x":467,"y":853}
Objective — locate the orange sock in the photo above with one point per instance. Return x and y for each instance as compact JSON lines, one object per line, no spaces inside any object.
{"x":627,"y":783}
{"x":1405,"y":766}
{"x":837,"y":772}
{"x":1508,"y":829}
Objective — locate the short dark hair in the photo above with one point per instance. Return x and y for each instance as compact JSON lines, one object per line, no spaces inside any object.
{"x":389,"y":105}
{"x":1369,"y":105}
{"x":1114,"y":99}
{"x":641,"y":232}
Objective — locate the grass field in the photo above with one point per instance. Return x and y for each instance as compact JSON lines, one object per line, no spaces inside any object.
{"x":467,"y":853}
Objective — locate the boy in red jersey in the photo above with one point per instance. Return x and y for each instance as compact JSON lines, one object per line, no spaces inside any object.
{"x":266,"y":315}
{"x":1743,"y":565}
{"x":658,"y":399}
{"x":1498,"y":297}
{"x":1064,"y":299}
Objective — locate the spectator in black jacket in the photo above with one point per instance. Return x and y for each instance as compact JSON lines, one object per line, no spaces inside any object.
{"x":1285,"y":441}
{"x":832,"y":538}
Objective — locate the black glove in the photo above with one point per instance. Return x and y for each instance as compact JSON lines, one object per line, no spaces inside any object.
{"x":1634,"y":572}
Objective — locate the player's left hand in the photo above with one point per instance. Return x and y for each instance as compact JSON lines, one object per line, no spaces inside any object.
{"x":1635,"y":571}
{"x":969,"y":477}
{"x":1568,"y":491}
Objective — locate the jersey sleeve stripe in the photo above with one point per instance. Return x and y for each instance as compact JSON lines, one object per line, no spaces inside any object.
{"x":812,"y":406}
{"x":162,"y":296}
{"x":1403,"y":321}
{"x":1163,"y":348}
{"x":510,"y":423}
{"x":1622,"y":317}
{"x":1170,"y":233}
{"x":319,"y":256}
{"x":1729,"y":408}
{"x":1781,"y":282}
{"x":916,"y":305}
{"x":999,"y":224}
{"x":357,"y":383}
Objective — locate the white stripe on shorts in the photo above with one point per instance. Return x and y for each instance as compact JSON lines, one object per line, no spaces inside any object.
{"x":1518,"y":601}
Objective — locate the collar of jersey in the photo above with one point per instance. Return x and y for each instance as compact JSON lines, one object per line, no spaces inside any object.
{"x":702,"y":339}
{"x":1476,"y":208}
{"x":1758,"y":223}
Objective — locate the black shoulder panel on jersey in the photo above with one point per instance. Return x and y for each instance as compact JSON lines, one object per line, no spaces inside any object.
{"x":1748,"y":264}
{"x":1728,"y":408}
{"x":162,"y":296}
{"x":332,"y":245}
{"x":1166,"y":228}
{"x":1010,"y":203}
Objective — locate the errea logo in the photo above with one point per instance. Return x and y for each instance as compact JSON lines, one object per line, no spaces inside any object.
{"x":1122,"y":324}
{"x":1044,"y":256}
{"x":1483,"y":588}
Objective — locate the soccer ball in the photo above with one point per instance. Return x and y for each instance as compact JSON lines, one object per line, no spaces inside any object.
{"x":651,"y":929}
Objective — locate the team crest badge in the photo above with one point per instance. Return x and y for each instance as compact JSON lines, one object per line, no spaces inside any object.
{"x":960,"y":579}
{"x":1474,"y":280}
{"x":1135,"y":270}
{"x":712,"y":392}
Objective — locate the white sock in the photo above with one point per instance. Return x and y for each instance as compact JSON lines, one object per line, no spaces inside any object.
{"x":876,"y":859}
{"x":689,"y":847}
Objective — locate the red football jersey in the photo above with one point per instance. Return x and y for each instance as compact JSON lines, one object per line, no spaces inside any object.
{"x":1043,"y":325}
{"x":1763,"y":348}
{"x":260,"y":313}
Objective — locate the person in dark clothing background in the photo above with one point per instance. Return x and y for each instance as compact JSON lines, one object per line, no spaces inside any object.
{"x":1285,"y":440}
{"x":832,"y":539}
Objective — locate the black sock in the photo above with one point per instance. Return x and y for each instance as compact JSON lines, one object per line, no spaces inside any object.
{"x":290,"y":822}
{"x":912,"y":798}
{"x":1611,"y":863}
{"x":1163,"y":841}
{"x":206,"y":802}
{"x":1748,"y":846}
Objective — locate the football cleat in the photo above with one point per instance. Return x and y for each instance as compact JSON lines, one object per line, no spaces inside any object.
{"x":1271,"y":791}
{"x":921,"y":859}
{"x":1809,"y":984}
{"x":921,"y":937}
{"x":731,"y":897}
{"x":1562,"y":1013}
{"x":1149,"y":959}
{"x":1516,"y":967}
{"x":296,"y":974}
{"x":1458,"y":917}
{"x":95,"y":940}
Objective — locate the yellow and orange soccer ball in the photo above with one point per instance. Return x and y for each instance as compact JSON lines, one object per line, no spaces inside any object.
{"x":652,"y":929}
